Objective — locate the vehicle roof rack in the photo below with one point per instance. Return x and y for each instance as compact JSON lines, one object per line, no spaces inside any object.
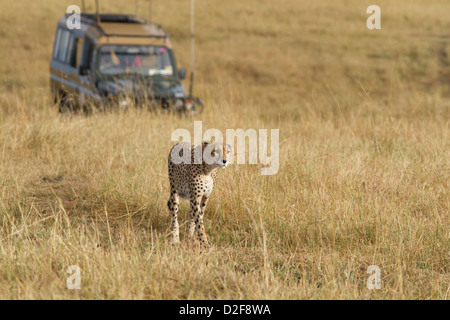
{"x":117,"y":18}
{"x":93,"y":19}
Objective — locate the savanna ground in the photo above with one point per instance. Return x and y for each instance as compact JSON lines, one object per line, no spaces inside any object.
{"x":364,"y":159}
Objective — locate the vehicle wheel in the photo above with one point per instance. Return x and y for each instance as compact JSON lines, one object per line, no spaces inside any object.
{"x":64,"y":106}
{"x":88,"y":109}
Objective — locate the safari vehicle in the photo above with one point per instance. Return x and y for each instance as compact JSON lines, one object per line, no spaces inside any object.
{"x":116,"y":59}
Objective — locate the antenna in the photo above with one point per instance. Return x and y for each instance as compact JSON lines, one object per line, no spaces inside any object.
{"x":83,"y":7}
{"x":96,"y":11}
{"x":150,"y":9}
{"x":136,"y":4}
{"x":191,"y":85}
{"x":192,"y":35}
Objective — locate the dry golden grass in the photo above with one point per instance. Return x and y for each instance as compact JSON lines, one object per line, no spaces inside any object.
{"x":364,"y":159}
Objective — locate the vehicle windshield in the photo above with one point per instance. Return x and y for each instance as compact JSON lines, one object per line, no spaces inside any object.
{"x":126,"y":59}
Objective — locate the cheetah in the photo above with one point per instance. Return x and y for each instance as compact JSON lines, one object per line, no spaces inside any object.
{"x":194,"y":181}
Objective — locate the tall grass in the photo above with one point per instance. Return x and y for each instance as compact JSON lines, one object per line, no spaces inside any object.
{"x":364,"y":160}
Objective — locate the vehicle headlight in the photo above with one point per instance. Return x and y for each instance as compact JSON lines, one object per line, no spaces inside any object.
{"x":125,"y":102}
{"x":178,"y":105}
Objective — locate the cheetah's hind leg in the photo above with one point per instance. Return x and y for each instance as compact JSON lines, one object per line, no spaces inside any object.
{"x":173,"y":205}
{"x":191,"y":227}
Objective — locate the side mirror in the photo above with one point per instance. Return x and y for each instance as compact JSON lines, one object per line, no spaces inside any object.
{"x":182,"y":73}
{"x":84,"y":71}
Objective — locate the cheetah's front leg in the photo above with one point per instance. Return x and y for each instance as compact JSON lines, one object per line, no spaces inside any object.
{"x":197,"y":215}
{"x":204,"y":203}
{"x":191,"y":221}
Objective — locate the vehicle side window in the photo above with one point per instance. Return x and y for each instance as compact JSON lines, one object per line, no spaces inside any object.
{"x":63,"y":42}
{"x":70,"y":54}
{"x":79,"y":51}
{"x":57,"y":40}
{"x":88,"y":47}
{"x":74,"y":51}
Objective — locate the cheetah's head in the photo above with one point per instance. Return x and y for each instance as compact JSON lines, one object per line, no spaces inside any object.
{"x":216,"y":154}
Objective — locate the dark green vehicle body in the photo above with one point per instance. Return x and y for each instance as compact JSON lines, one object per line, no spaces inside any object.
{"x":78,"y":82}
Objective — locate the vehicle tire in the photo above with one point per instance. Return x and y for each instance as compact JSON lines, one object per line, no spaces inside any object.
{"x":64,"y":106}
{"x":88,"y":109}
{"x":67,"y":105}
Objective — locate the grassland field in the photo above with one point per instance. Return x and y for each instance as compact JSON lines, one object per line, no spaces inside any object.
{"x":364,"y":171}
